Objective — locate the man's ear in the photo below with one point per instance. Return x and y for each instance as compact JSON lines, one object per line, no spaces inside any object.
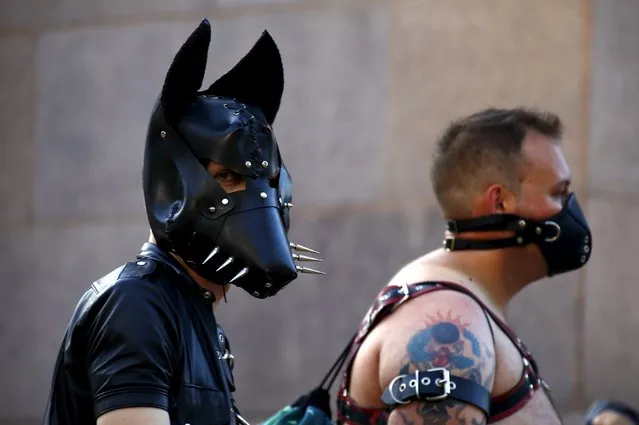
{"x":500,"y":200}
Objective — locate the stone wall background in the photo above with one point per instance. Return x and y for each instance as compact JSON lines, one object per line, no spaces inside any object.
{"x":369,"y":85}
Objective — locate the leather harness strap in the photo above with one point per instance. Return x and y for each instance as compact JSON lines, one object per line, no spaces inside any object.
{"x":435,"y":384}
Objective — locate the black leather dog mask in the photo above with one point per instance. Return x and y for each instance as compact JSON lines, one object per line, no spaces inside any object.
{"x":240,"y":237}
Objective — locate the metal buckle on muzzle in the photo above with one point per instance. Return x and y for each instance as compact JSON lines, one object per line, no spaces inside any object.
{"x":557,"y":231}
{"x":539,"y":230}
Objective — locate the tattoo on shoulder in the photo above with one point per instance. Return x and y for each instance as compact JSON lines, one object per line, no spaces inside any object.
{"x":447,"y":342}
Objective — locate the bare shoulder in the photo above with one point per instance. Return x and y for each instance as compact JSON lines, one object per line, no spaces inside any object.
{"x":135,"y":416}
{"x":411,"y":272}
{"x":422,"y":269}
{"x":442,"y":329}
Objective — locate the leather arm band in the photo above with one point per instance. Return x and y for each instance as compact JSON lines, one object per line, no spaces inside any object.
{"x":435,"y":385}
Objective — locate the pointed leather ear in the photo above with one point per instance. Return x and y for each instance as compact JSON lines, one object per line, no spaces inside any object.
{"x":257,"y":79}
{"x":186,"y":73}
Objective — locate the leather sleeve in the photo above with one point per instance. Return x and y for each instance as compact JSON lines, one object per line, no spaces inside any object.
{"x":132,"y":347}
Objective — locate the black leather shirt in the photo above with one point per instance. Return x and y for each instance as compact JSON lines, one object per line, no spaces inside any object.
{"x":143,"y":336}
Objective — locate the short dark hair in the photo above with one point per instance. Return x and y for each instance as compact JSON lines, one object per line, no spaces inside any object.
{"x":482,"y":149}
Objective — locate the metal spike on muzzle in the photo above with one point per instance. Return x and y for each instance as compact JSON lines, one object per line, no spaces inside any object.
{"x":300,"y":257}
{"x":212,"y":254}
{"x":241,"y":274}
{"x":226,"y":263}
{"x":308,"y":270}
{"x":302,"y":248}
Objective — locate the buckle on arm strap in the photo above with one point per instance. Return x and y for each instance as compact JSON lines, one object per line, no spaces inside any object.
{"x":435,"y":385}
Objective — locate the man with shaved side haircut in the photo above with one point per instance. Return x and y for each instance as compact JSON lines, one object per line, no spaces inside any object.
{"x":435,"y":347}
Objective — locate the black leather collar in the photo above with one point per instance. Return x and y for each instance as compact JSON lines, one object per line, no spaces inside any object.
{"x":155,"y":253}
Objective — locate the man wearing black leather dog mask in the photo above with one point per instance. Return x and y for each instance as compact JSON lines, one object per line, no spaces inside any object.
{"x":435,"y":346}
{"x":143,"y":346}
